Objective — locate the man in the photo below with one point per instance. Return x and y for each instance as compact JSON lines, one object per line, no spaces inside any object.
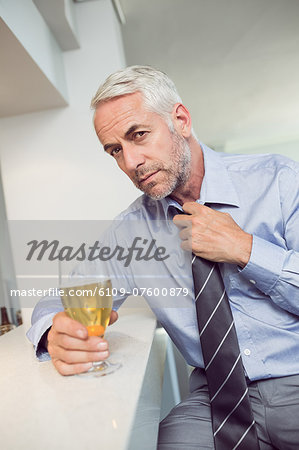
{"x":237,"y":210}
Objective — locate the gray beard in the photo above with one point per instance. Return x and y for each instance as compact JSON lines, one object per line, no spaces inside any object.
{"x":178,"y":172}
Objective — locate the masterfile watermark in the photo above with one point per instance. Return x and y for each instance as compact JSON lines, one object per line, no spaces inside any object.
{"x":142,"y":259}
{"x":101,"y":292}
{"x":140,"y":250}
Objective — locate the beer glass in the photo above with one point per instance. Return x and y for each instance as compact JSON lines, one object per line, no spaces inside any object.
{"x":88,"y":299}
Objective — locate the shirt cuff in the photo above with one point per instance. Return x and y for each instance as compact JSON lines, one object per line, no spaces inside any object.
{"x":265,"y":264}
{"x":35,"y":335}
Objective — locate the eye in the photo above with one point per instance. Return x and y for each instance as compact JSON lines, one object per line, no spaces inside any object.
{"x":115,"y":151}
{"x":139,"y":134}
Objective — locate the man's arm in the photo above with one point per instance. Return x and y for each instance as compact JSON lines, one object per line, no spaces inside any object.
{"x":41,"y":322}
{"x":65,"y":340}
{"x":54,"y":335}
{"x":274,"y":270}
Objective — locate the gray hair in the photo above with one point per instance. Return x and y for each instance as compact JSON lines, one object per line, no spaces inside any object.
{"x":159,"y":92}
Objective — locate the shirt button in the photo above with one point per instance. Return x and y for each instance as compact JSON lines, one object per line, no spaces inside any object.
{"x":252,"y":281}
{"x":247,"y":352}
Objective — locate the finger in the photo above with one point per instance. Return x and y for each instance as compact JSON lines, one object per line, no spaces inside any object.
{"x":78,"y":357}
{"x":182,"y":220}
{"x":93,"y":343}
{"x":113,"y":317}
{"x":194,"y":208}
{"x":185,"y":233}
{"x":62,"y":323}
{"x":187,"y":245}
{"x":71,"y":369}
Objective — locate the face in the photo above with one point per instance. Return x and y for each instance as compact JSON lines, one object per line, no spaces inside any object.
{"x":156,"y":159}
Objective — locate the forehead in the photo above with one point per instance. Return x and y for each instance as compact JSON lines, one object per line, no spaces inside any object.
{"x":118,"y":114}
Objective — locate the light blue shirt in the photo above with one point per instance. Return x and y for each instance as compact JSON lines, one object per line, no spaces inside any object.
{"x":261,"y":193}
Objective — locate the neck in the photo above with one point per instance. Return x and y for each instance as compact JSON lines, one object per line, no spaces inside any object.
{"x":190,"y":191}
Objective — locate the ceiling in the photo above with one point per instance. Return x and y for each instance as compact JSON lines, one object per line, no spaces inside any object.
{"x":235,"y":62}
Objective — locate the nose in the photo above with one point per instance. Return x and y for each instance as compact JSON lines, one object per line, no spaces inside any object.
{"x":133,"y":157}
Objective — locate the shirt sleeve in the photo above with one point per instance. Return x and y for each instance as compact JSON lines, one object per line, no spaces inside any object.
{"x":41,"y":321}
{"x":275,"y":269}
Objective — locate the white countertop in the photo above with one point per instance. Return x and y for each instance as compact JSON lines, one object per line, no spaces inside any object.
{"x":40,"y":409}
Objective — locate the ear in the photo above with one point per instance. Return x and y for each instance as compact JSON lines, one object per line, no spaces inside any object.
{"x":182,"y":120}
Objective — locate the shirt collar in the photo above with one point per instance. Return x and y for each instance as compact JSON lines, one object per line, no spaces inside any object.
{"x":217,"y":186}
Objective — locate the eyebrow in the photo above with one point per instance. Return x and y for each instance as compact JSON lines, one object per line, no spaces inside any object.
{"x":131,"y":130}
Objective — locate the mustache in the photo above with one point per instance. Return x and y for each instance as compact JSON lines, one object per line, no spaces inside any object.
{"x":144,"y":171}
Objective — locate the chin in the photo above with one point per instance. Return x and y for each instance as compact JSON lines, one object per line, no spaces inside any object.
{"x":158,"y":193}
{"x":156,"y":196}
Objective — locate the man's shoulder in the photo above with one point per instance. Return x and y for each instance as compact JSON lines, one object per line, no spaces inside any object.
{"x":255,"y":162}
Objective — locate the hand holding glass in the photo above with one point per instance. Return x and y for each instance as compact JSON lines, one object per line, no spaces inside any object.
{"x":89,"y":301}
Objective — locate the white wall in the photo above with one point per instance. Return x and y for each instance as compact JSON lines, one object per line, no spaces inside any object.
{"x":285,"y":146}
{"x":53,"y":166}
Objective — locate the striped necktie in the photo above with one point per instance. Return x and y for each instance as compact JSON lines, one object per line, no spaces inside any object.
{"x":232,"y":418}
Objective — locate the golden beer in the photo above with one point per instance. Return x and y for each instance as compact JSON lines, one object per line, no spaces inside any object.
{"x":89,"y":304}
